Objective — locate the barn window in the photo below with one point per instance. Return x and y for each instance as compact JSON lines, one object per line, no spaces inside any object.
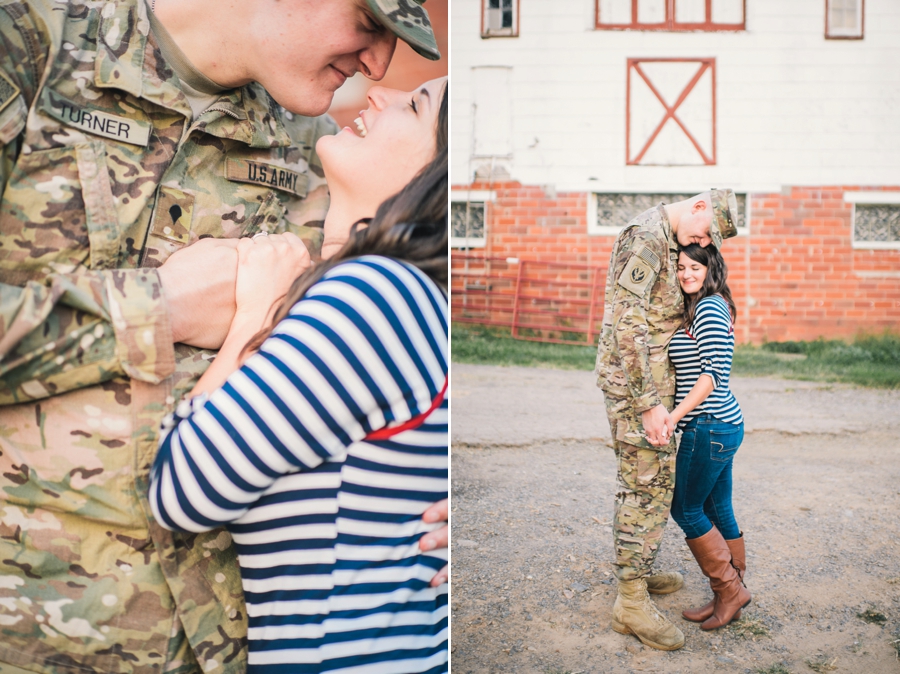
{"x":671,"y":15}
{"x":609,"y":212}
{"x":468,"y":209}
{"x":844,"y":19}
{"x":876,"y":219}
{"x":500,"y":18}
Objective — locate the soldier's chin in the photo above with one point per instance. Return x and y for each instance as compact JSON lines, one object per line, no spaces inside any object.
{"x":304,"y":102}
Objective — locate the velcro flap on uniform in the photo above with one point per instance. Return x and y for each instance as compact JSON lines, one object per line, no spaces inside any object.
{"x":95,"y":121}
{"x":12,"y":118}
{"x":267,"y":175}
{"x":638,"y":274}
{"x":649,"y":257}
{"x":8,"y":91}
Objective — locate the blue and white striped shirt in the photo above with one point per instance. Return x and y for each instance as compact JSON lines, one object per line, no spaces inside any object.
{"x":326,"y":523}
{"x":706,"y":347}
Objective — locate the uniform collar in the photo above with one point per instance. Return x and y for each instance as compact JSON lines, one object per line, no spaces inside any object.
{"x":121,"y":45}
{"x":667,"y":227}
{"x":246,"y":114}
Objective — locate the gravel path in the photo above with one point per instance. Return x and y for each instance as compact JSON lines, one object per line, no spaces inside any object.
{"x":817,"y":493}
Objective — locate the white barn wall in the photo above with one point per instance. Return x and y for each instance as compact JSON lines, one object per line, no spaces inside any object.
{"x":792,"y":107}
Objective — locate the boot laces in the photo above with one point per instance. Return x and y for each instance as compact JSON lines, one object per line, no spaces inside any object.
{"x":651,"y":610}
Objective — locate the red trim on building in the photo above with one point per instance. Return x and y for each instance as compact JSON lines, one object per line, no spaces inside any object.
{"x":670,"y":24}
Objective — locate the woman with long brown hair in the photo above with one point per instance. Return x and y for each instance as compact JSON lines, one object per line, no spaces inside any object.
{"x":320,"y":440}
{"x":712,"y":430}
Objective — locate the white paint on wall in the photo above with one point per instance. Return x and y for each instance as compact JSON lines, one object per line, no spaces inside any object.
{"x":491,"y":111}
{"x":792,"y":107}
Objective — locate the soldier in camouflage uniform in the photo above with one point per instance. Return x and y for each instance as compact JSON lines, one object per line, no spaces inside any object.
{"x":106,"y":170}
{"x":643,"y":308}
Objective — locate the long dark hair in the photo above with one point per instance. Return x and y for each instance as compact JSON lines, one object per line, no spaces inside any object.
{"x":409,"y":226}
{"x":715,"y":283}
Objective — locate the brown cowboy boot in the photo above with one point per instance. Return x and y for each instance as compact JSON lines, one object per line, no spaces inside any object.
{"x":714,"y":557}
{"x":739,"y":562}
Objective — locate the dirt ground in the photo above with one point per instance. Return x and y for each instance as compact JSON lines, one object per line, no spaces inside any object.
{"x":817,"y":494}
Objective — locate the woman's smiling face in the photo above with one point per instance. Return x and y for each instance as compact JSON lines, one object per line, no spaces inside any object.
{"x":397,"y":138}
{"x":691,"y":274}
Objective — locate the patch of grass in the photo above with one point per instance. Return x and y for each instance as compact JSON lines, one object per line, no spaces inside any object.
{"x":872,"y":360}
{"x":872,"y":616}
{"x":748,"y":627}
{"x":774,"y":669}
{"x":822,"y":663}
{"x":494,"y":346}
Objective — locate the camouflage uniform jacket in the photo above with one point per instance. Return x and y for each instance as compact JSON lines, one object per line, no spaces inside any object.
{"x":642,"y":310}
{"x":103,"y":176}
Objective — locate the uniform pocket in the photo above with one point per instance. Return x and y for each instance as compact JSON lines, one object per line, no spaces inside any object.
{"x":58,"y":214}
{"x":269,"y":218}
{"x":724,"y":443}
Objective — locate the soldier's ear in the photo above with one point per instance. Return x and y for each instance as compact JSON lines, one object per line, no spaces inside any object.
{"x":699,"y":205}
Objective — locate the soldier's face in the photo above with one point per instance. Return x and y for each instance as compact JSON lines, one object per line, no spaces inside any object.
{"x":693,"y":227}
{"x":396,"y":139}
{"x":309,"y":48}
{"x":691,"y":274}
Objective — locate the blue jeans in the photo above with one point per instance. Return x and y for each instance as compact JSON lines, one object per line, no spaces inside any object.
{"x":703,"y":477}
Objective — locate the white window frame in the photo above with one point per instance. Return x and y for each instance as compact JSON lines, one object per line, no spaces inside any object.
{"x":870,"y":199}
{"x":846,"y":33}
{"x":486,"y":197}
{"x":499,"y":32}
{"x":593,"y":229}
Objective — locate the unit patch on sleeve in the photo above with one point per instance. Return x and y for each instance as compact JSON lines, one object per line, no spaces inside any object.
{"x":8,"y":91}
{"x":640,"y":272}
{"x":267,"y":175}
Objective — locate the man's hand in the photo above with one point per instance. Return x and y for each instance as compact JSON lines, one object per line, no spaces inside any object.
{"x":437,"y":538}
{"x":198,"y":284}
{"x":658,"y":425}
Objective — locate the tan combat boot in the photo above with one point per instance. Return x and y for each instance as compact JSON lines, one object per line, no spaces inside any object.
{"x":635,"y":614}
{"x":665,"y":583}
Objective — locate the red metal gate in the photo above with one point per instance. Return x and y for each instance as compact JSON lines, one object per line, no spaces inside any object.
{"x":538,"y":301}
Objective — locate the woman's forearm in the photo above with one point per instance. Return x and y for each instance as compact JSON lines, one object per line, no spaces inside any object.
{"x":698,"y":393}
{"x":229,"y":358}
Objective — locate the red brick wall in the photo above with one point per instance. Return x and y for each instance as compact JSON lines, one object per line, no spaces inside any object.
{"x":795,"y":277}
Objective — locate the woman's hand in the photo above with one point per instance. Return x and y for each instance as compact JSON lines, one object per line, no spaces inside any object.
{"x":267,"y":266}
{"x":437,"y":538}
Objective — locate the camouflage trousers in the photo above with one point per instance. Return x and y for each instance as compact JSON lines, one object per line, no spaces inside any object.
{"x":645,"y":483}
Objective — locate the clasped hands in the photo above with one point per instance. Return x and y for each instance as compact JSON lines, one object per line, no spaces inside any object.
{"x":207,"y":283}
{"x":658,"y":426}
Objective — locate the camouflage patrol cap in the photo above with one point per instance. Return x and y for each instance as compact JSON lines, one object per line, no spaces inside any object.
{"x":724,"y":222}
{"x":409,"y":21}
